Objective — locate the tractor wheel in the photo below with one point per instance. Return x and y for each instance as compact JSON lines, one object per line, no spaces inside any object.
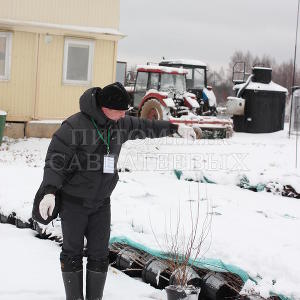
{"x":152,"y":110}
{"x":199,"y":133}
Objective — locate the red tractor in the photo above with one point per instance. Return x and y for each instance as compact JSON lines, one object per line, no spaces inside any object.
{"x":160,"y":93}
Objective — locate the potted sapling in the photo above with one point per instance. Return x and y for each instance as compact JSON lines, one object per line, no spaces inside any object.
{"x":183,"y":246}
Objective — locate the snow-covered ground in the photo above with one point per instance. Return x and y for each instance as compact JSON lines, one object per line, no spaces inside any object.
{"x":254,"y":231}
{"x":30,"y":271}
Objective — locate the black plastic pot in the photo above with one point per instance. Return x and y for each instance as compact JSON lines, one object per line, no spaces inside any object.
{"x":192,"y":277}
{"x":58,"y":239}
{"x":125,"y":262}
{"x":112,"y":255}
{"x":175,"y":292}
{"x":40,"y":233}
{"x":10,"y":219}
{"x":3,"y":218}
{"x":289,"y":191}
{"x":215,"y":287}
{"x":21,"y":224}
{"x":155,"y":273}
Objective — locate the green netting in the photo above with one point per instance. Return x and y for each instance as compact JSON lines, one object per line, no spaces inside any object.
{"x":178,"y":173}
{"x":216,"y":265}
{"x":244,"y":181}
{"x":281,"y":296}
{"x":245,"y":184}
{"x":203,"y":179}
{"x":206,"y":263}
{"x":208,"y":180}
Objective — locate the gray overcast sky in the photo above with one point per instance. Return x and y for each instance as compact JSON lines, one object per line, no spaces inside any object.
{"x":208,"y":30}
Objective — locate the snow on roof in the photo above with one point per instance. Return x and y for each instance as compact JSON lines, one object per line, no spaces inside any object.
{"x":261,"y":68}
{"x":272,"y":86}
{"x":129,"y":89}
{"x":3,"y":113}
{"x":160,"y":69}
{"x":47,"y":121}
{"x":157,"y":92}
{"x":185,"y":62}
{"x":83,"y":29}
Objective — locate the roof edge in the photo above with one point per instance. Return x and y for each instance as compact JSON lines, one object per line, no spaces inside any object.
{"x":62,"y":29}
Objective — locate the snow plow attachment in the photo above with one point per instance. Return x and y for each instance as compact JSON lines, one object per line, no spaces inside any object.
{"x":208,"y":127}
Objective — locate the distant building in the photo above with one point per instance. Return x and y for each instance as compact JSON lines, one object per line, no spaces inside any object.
{"x":53,"y":50}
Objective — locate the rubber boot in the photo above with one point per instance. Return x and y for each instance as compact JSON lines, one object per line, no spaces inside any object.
{"x":73,"y":285}
{"x":95,"y":282}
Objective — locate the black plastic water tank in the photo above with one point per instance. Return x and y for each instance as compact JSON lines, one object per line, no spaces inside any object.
{"x":264,"y":104}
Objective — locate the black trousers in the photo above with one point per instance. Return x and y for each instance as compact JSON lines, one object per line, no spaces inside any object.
{"x":78,"y":222}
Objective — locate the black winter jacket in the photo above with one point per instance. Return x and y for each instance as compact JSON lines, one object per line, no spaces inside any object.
{"x":74,"y":161}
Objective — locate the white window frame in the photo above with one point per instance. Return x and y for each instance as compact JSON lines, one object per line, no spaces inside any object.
{"x":7,"y":66}
{"x":91,"y":45}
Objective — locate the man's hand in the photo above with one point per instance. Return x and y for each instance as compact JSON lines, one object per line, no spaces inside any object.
{"x":186,"y":132}
{"x":47,"y":205}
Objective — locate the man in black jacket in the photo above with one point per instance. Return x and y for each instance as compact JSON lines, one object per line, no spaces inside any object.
{"x":81,"y":165}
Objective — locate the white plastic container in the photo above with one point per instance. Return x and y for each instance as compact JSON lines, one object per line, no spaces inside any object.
{"x":235,"y":106}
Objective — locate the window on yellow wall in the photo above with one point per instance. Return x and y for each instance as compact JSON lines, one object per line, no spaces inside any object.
{"x":78,"y":61}
{"x":5,"y":55}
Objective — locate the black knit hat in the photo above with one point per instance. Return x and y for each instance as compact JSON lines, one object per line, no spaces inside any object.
{"x":114,"y":96}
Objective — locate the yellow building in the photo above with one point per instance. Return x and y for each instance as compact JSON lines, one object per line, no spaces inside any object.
{"x":53,"y":50}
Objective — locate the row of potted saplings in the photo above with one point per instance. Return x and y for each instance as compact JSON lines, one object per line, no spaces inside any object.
{"x":173,"y":273}
{"x":180,"y":280}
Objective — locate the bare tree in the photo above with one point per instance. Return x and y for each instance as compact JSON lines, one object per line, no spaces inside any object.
{"x":221,"y":80}
{"x":182,"y":245}
{"x":283,"y":74}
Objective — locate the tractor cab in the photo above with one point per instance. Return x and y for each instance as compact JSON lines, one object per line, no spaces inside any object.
{"x":160,"y":92}
{"x":196,"y":83}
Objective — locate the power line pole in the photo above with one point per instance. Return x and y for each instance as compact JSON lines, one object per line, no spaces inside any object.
{"x":294,"y":79}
